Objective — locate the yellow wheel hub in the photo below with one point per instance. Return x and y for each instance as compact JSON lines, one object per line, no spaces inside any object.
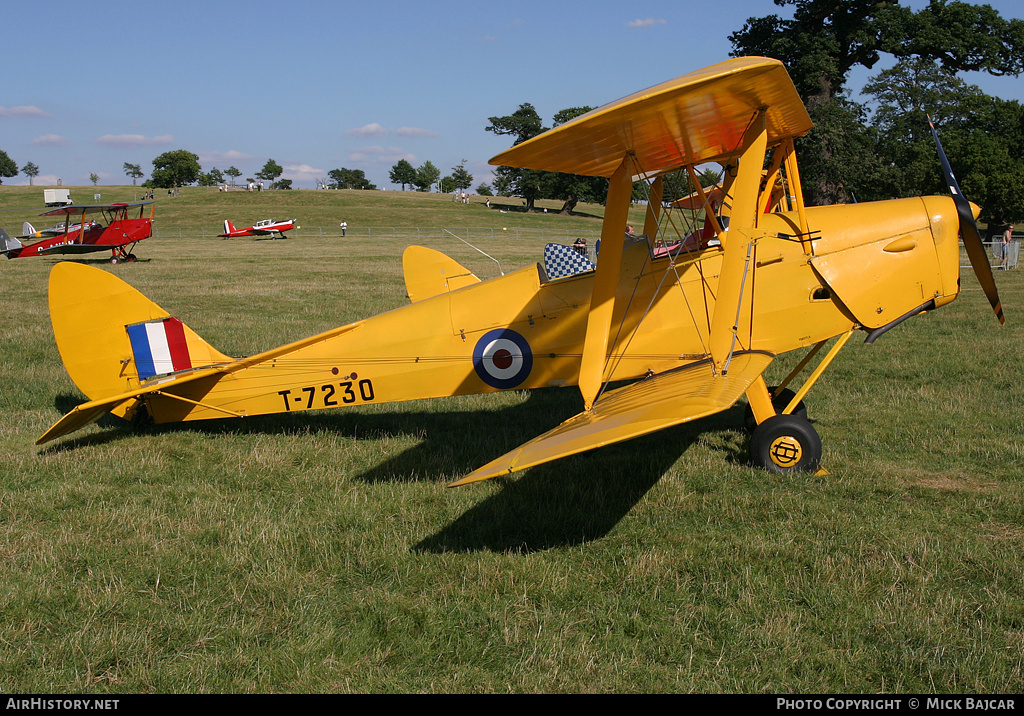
{"x":785,"y":451}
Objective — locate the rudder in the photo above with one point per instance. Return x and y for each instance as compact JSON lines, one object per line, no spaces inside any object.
{"x":103,"y":327}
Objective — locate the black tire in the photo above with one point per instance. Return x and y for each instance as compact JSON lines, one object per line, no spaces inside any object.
{"x":780,"y":404}
{"x":141,"y":419}
{"x":114,"y":260}
{"x":785,"y":443}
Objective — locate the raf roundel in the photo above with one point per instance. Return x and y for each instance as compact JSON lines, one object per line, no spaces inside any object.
{"x":502,"y":358}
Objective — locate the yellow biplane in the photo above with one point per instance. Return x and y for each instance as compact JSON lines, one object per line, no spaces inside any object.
{"x":690,"y":332}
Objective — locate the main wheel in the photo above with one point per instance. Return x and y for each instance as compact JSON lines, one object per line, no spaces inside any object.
{"x":779,"y":402}
{"x":784,"y":444}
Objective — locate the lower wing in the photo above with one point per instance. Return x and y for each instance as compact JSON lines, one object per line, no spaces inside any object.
{"x":667,"y":399}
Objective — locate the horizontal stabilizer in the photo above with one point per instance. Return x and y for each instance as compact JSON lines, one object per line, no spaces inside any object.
{"x":86,"y":413}
{"x":667,"y":399}
{"x":79,"y":417}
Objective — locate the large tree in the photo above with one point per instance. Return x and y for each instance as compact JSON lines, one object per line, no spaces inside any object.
{"x":825,"y":39}
{"x":175,"y":168}
{"x":403,"y":173}
{"x":349,"y":179}
{"x":522,"y":124}
{"x":270,"y":171}
{"x":426,"y":176}
{"x":7,"y":166}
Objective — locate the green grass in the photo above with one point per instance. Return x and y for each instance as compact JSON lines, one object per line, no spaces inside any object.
{"x":323,"y":553}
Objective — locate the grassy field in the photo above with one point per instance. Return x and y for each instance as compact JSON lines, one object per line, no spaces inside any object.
{"x":322,"y":552}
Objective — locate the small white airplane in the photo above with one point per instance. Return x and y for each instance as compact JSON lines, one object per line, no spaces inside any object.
{"x":260,"y":228}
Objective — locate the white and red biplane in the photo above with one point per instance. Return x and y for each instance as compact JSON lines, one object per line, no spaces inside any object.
{"x":267,"y":227}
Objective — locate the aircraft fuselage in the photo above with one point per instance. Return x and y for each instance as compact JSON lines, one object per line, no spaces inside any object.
{"x":521,"y":332}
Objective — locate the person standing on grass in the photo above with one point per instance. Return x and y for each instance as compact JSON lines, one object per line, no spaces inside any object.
{"x":1007,"y":238}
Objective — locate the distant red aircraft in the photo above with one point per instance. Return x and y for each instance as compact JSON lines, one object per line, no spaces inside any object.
{"x":119,"y":236}
{"x":260,"y":228}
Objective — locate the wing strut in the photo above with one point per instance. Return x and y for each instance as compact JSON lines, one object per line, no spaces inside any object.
{"x":606,"y":282}
{"x":738,"y":240}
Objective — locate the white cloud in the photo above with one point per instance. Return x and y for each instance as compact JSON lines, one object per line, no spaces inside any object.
{"x":50,"y":140}
{"x":122,"y":141}
{"x":29,"y":110}
{"x":368,"y":130}
{"x":302,"y":172}
{"x":381,"y":155}
{"x":415,"y":132}
{"x":228,"y":157}
{"x":377,"y":130}
{"x":648,"y":22}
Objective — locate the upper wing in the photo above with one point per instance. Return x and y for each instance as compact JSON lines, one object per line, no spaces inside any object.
{"x":699,"y":117}
{"x":75,"y":209}
{"x":667,"y":399}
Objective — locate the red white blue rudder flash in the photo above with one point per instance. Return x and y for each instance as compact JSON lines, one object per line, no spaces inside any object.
{"x":502,"y":358}
{"x":159,"y":347}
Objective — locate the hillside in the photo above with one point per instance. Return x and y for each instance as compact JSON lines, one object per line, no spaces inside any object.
{"x":208,"y":208}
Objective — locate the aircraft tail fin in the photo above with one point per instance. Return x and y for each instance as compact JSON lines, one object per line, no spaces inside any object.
{"x":228,"y":227}
{"x":10,"y":244}
{"x":429,"y":273}
{"x":28,"y":230}
{"x":112,"y":338}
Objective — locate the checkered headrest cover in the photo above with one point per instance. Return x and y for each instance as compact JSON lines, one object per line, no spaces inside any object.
{"x":561,"y":261}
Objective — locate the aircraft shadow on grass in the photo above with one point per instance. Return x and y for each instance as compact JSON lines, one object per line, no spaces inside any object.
{"x":572,"y":501}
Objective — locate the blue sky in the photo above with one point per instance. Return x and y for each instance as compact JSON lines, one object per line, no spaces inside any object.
{"x":318,"y":85}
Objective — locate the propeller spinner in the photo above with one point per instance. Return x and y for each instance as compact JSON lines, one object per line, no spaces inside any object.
{"x":969,"y":232}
